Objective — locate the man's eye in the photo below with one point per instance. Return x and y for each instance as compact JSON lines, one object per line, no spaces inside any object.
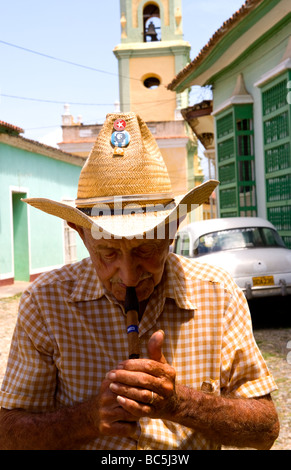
{"x":110,"y":255}
{"x":146,"y":251}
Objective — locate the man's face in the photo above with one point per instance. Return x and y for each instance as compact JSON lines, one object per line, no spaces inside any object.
{"x":122,"y":263}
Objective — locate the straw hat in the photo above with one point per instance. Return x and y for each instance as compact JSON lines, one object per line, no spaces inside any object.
{"x":124,"y":187}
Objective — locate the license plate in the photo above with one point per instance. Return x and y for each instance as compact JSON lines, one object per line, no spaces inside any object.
{"x":263,"y":281}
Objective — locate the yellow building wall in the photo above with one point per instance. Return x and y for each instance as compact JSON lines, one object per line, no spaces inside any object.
{"x":176,"y":162}
{"x":157,"y":104}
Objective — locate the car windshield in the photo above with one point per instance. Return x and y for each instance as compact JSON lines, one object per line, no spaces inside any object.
{"x":249,"y":237}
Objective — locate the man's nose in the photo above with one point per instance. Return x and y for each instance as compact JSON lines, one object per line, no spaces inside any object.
{"x":130,"y":271}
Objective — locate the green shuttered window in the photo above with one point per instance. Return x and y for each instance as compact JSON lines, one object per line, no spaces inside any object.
{"x":236,"y":164}
{"x":277,"y":144}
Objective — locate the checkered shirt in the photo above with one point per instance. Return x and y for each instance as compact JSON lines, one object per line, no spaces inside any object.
{"x":70,"y":332}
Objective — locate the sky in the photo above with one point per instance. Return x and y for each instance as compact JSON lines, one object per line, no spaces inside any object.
{"x":55,"y":52}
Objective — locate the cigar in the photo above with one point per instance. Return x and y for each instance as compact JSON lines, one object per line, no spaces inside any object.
{"x":132,"y":310}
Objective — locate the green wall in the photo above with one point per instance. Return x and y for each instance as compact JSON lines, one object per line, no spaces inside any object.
{"x":36,"y":234}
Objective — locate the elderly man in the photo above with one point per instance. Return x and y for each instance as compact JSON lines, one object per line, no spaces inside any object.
{"x":200,"y":380}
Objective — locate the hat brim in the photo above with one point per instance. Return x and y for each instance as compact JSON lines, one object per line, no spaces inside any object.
{"x":128,"y":224}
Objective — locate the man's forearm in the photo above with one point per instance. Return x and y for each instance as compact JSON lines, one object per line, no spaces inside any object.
{"x":234,"y":422}
{"x":64,"y":429}
{"x":67,"y":428}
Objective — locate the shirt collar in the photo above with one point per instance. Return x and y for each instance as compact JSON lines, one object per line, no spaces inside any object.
{"x":88,"y":286}
{"x":175,"y":283}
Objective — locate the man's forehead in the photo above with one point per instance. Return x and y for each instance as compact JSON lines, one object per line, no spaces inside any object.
{"x":125,"y":242}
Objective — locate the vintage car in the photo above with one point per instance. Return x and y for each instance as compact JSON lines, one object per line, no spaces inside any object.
{"x":249,"y":248}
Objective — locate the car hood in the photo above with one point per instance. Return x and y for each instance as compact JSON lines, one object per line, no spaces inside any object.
{"x":251,"y":261}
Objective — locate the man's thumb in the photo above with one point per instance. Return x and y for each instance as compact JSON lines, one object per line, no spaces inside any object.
{"x":155,"y":346}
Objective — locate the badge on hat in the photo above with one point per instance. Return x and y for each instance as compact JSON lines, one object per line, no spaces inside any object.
{"x":119,"y":124}
{"x":120,"y":138}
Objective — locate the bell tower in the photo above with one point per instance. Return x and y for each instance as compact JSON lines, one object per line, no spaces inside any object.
{"x":152,"y":51}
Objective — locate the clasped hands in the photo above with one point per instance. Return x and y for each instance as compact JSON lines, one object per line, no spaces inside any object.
{"x":137,"y":388}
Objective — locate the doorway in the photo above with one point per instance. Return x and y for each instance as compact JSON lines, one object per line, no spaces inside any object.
{"x":20,"y":238}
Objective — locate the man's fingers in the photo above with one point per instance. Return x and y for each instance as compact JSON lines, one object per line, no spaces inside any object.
{"x":113,"y":419}
{"x":137,"y":409}
{"x":138,"y":394}
{"x":155,"y":347}
{"x":133,"y":379}
{"x":147,"y":366}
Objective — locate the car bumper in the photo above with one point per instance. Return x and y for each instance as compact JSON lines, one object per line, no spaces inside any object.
{"x":280,"y":289}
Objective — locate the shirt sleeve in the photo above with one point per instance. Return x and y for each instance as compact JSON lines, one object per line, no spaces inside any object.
{"x":30,"y":379}
{"x":244,"y":372}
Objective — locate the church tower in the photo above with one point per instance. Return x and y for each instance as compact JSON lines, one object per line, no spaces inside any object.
{"x":152,"y":51}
